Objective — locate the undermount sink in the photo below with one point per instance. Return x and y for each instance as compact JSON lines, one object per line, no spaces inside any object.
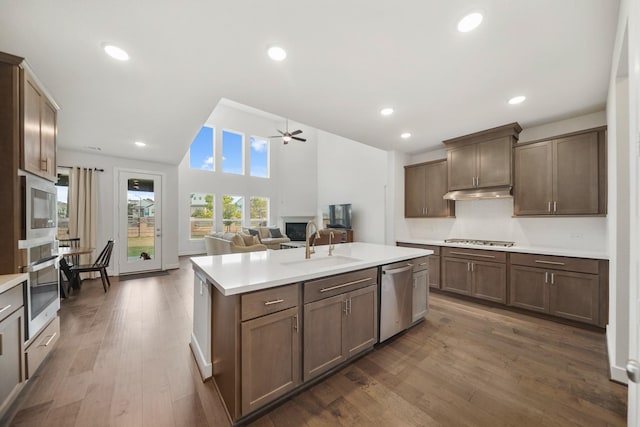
{"x":324,"y":261}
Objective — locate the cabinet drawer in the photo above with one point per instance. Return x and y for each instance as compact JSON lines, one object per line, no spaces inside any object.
{"x":580,"y":265}
{"x":435,"y":249}
{"x":420,"y":264}
{"x":329,"y":286}
{"x":41,"y":346}
{"x":269,"y":301}
{"x":476,"y":254}
{"x":11,"y":300}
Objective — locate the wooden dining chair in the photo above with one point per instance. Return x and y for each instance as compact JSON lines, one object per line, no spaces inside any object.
{"x":73,"y":242}
{"x":100,"y":265}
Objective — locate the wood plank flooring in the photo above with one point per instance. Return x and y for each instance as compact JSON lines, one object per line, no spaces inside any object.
{"x":123,"y":360}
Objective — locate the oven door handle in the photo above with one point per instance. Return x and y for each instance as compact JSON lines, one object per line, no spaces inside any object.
{"x":42,"y":264}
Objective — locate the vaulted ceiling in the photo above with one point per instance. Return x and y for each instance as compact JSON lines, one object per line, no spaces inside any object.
{"x":346,"y":60}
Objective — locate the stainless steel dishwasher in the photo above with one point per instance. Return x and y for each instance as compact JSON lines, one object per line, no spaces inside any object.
{"x":396,"y":292}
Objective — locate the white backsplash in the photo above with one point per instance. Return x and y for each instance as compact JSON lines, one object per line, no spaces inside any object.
{"x":492,"y":220}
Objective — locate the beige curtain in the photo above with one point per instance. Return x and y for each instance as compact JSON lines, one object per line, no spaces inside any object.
{"x":83,"y":209}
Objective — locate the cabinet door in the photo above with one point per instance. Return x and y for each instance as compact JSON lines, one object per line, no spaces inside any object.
{"x":489,"y":281}
{"x":436,"y":187}
{"x":420,"y":295}
{"x":456,"y":275}
{"x":434,"y":271}
{"x":48,"y":141}
{"x":575,"y":184}
{"x":31,"y":126}
{"x":11,"y":355}
{"x":574,"y":296}
{"x":528,"y":288}
{"x":533,"y":187}
{"x":461,"y":167}
{"x":270,"y":358}
{"x":361,"y":320}
{"x":494,"y":162}
{"x":323,"y":335}
{"x":414,"y":191}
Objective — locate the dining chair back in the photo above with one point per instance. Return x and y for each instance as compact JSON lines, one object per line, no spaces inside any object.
{"x":100,"y":265}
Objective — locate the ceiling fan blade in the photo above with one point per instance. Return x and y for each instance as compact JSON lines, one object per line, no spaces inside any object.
{"x":298,"y":139}
{"x":295,"y":132}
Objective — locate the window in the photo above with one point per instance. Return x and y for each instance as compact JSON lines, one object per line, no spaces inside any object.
{"x":201,"y":150}
{"x":232,"y":153}
{"x":259,"y":156}
{"x":201,"y":215}
{"x":259,"y":211}
{"x":232,"y":213}
{"x":63,"y":204}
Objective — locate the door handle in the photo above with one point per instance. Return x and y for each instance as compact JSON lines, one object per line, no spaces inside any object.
{"x":549,"y":207}
{"x":546,"y":277}
{"x":633,"y":370}
{"x":555,"y":206}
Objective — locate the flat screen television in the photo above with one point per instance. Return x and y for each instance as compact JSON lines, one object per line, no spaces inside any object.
{"x":337,"y":216}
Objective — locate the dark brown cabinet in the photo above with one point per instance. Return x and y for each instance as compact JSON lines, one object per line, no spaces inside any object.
{"x":425,"y":184}
{"x":547,"y":285}
{"x":12,"y":359}
{"x":482,"y":159}
{"x":562,"y":176}
{"x":477,"y":273}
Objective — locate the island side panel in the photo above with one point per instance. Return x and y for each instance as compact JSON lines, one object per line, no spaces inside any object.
{"x":225,"y":348}
{"x":201,"y":335}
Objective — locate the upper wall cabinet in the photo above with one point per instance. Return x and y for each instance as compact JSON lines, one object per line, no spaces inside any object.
{"x":565,"y":175}
{"x":30,"y":116}
{"x":482,"y":159}
{"x":424,"y":186}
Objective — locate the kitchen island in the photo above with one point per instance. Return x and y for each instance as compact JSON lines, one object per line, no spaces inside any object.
{"x":268,"y":323}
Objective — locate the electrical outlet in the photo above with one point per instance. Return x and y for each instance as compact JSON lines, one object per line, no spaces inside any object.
{"x":575,"y":235}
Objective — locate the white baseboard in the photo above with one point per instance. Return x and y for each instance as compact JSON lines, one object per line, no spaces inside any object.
{"x":206,"y":368}
{"x":172,"y":266}
{"x":616,"y":373}
{"x":192,"y":252}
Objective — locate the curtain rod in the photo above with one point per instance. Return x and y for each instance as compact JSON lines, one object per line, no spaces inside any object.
{"x":71,"y":167}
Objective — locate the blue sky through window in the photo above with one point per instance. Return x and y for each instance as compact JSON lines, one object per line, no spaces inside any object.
{"x":259,"y":157}
{"x":232,"y":152}
{"x":201,"y":151}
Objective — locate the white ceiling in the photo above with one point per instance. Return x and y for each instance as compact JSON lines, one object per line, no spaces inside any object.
{"x":346,"y":60}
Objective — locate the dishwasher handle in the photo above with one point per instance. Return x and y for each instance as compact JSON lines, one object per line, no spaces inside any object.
{"x":398,"y":270}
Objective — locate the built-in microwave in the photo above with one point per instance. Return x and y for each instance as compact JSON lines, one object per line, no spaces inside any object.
{"x":40,"y":210}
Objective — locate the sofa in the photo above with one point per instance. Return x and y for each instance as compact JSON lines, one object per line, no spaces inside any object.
{"x":219,"y":243}
{"x":271,"y":237}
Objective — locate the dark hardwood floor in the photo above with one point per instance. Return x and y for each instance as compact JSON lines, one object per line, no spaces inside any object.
{"x":123,"y":359}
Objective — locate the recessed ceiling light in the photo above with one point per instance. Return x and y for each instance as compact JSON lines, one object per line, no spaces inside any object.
{"x":116,"y":52}
{"x":470,"y":22}
{"x":277,"y":53}
{"x":405,"y":135}
{"x":386,"y":111}
{"x":140,"y":143}
{"x":517,"y":99}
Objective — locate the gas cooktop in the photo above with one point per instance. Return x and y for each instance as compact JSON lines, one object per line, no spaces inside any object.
{"x":480,"y":242}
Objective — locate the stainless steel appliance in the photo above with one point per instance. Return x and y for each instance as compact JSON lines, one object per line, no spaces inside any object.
{"x":396,"y":292}
{"x":43,"y":293}
{"x":40,"y":210}
{"x":480,"y":242}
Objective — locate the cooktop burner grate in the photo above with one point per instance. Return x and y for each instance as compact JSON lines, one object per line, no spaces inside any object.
{"x":480,"y":242}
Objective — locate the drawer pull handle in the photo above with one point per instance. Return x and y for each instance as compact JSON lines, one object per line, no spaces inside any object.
{"x":549,"y":262}
{"x":344,"y":284}
{"x":5,"y":308}
{"x":468,"y":254}
{"x":275,"y":301}
{"x":50,"y":339}
{"x":1,"y":350}
{"x":421,"y":264}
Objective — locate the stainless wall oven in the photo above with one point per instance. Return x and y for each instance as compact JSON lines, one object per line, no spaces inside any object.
{"x":39,"y":208}
{"x":43,"y":293}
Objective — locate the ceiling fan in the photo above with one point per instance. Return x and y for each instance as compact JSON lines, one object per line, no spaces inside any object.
{"x":288,"y":136}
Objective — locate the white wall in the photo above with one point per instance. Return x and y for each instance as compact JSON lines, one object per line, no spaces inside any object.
{"x":492,"y":219}
{"x":291,"y":188}
{"x":351,"y":172}
{"x":107,"y":199}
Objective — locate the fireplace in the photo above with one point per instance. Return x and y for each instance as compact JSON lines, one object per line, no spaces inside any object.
{"x":296,"y":231}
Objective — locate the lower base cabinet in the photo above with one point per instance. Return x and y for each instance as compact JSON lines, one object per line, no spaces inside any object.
{"x":420,"y":295}
{"x":11,"y":357}
{"x":478,"y":273}
{"x":270,"y":358}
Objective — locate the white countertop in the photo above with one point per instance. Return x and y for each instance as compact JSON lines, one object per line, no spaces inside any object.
{"x":234,"y":274}
{"x":8,"y":281}
{"x":515,"y":248}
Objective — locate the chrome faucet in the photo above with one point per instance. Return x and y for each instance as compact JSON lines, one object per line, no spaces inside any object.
{"x":310,"y":250}
{"x":331,"y":245}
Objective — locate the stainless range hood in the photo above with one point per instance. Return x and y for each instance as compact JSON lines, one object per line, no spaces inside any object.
{"x":479,"y":193}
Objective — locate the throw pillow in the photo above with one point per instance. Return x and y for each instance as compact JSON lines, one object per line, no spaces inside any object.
{"x":254,"y":232}
{"x":248,"y":239}
{"x":275,"y":233}
{"x":264,"y":233}
{"x":237,"y":240}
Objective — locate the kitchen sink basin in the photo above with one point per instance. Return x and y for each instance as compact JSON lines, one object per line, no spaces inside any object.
{"x":324,"y":261}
